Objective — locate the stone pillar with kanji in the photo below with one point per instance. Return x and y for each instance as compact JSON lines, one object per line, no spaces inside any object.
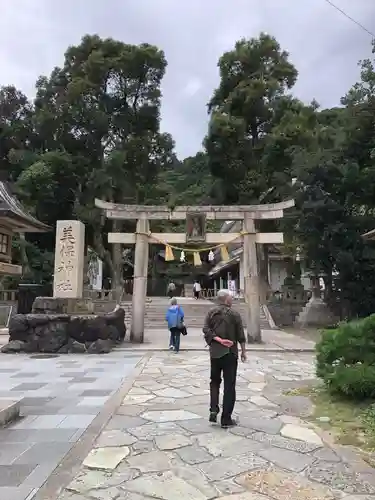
{"x":69,"y":259}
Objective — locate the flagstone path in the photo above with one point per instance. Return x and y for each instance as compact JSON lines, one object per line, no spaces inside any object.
{"x":160,"y":445}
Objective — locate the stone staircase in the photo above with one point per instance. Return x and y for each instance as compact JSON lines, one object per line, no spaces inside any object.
{"x":195,"y":312}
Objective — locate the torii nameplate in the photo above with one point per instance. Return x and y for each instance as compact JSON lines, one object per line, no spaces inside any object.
{"x":195,"y":227}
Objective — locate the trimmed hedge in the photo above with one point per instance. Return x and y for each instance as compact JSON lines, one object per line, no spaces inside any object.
{"x":345,"y":359}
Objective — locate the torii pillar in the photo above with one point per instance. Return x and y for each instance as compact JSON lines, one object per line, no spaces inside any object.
{"x":251,"y":281}
{"x":140,"y":281}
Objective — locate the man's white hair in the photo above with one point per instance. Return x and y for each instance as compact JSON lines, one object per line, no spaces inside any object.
{"x":223,"y":294}
{"x":173,"y":301}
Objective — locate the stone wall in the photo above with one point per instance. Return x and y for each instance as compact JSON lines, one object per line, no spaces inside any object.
{"x":104,"y":306}
{"x":284,"y":313}
{"x":64,"y":333}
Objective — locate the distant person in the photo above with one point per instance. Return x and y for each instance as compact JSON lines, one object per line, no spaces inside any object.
{"x":175,"y":319}
{"x":197,"y":289}
{"x":223,"y":330}
{"x":171,"y":289}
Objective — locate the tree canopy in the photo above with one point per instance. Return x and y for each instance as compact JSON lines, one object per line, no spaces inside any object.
{"x":93,"y":130}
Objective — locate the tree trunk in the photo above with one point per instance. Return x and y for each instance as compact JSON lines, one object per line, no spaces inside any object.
{"x":101,"y":251}
{"x":264,"y":286}
{"x":117,"y":281}
{"x":327,"y":288}
{"x":24,"y":258}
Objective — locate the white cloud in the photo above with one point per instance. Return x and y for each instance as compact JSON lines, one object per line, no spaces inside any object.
{"x":323,"y":44}
{"x":192,"y":87}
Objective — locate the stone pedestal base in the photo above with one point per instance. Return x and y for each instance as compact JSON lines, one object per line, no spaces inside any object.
{"x":64,"y":333}
{"x":315,"y":313}
{"x":56,"y":305}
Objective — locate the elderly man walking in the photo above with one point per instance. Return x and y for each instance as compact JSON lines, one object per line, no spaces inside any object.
{"x":223,"y":331}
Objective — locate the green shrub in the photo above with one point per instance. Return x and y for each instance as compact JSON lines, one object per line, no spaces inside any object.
{"x":354,"y":381}
{"x":346,"y":358}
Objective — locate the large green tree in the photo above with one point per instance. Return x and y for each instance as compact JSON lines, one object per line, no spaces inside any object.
{"x":16,"y":133}
{"x":264,"y":144}
{"x":93,"y":131}
{"x":97,"y":125}
{"x":187,"y":182}
{"x":254,"y":78}
{"x":330,"y":154}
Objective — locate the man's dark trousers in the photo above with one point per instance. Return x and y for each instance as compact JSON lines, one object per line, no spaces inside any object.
{"x":226,"y":365}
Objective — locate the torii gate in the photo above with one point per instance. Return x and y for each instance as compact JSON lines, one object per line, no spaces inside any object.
{"x":142,"y":237}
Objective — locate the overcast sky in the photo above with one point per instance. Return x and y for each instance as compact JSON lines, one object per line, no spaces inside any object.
{"x":323,"y":44}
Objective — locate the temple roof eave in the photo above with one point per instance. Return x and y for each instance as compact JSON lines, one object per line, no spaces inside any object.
{"x":224,"y":265}
{"x":235,"y":257}
{"x":19,"y":224}
{"x":370,"y":235}
{"x":17,"y":218}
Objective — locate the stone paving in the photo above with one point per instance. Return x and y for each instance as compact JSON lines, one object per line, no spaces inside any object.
{"x":273,"y":340}
{"x":61,"y":397}
{"x":160,"y":445}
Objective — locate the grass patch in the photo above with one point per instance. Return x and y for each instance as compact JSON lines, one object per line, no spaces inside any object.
{"x":350,"y":422}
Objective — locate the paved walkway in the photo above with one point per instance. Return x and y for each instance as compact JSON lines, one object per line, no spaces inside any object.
{"x":160,"y":445}
{"x":61,"y":398}
{"x":156,"y":339}
{"x":273,"y":340}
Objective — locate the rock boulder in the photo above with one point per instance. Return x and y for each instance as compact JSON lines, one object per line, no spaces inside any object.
{"x":64,"y":333}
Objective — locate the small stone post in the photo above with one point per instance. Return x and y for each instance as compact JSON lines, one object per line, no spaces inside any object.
{"x":140,"y":281}
{"x":251,"y":280}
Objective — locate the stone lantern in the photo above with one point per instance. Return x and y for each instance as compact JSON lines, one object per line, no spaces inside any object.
{"x":316,"y":312}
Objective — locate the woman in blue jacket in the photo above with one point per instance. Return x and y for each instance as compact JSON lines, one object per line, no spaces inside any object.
{"x":175,"y":319}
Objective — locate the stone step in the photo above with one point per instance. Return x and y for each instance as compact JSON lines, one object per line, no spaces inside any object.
{"x":9,"y":411}
{"x":195,"y":319}
{"x":195,"y":312}
{"x":190,"y":321}
{"x":161,"y":315}
{"x":201,"y":310}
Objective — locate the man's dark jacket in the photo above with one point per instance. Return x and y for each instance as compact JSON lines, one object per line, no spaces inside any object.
{"x":224,"y":322}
